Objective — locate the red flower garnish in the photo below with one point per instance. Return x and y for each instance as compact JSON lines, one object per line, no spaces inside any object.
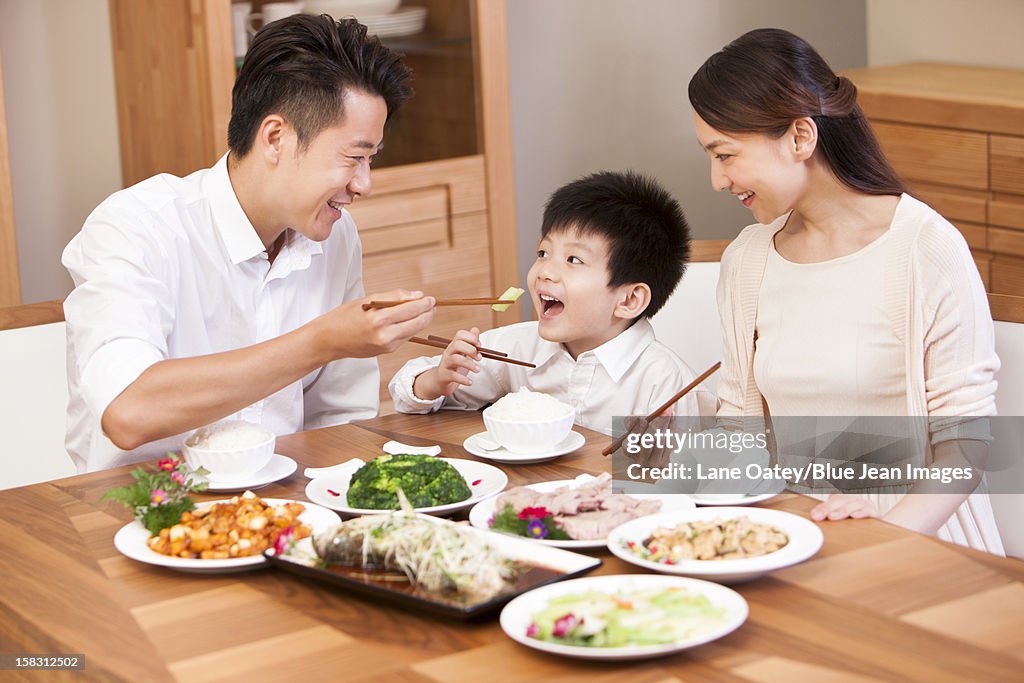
{"x":168,"y":464}
{"x":532,"y":630}
{"x":333,"y":493}
{"x":533,"y":513}
{"x":477,"y":482}
{"x":283,"y":540}
{"x":565,"y":624}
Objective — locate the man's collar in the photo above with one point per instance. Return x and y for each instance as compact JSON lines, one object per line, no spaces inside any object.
{"x":237,"y":234}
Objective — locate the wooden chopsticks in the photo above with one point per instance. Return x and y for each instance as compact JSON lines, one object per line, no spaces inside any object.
{"x":446,"y":342}
{"x":442,"y":343}
{"x":664,"y":406}
{"x":480,"y":301}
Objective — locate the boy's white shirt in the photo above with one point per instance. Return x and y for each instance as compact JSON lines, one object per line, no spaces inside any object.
{"x":631,"y":374}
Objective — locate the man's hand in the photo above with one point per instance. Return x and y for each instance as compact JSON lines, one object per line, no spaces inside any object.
{"x":457,"y":361}
{"x":350,"y":332}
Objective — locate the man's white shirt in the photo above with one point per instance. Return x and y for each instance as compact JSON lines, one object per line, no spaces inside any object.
{"x":173,"y":268}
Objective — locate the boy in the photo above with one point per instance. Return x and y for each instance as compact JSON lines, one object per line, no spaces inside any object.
{"x":613,"y":247}
{"x":238,"y":289}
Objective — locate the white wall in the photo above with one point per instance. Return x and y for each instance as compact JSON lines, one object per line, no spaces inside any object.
{"x":62,"y":128}
{"x":980,"y":32}
{"x":601,"y":84}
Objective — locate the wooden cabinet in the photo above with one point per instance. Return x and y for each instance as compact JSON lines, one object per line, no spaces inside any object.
{"x":441,"y":217}
{"x":956,"y":136}
{"x":10,"y":284}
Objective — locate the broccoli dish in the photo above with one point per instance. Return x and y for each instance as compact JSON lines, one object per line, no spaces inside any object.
{"x":425,"y":480}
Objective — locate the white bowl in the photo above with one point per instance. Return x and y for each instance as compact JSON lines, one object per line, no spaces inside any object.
{"x":530,"y":436}
{"x":229,"y":464}
{"x":345,"y":8}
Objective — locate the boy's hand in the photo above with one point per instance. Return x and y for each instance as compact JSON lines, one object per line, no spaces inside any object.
{"x":457,"y":361}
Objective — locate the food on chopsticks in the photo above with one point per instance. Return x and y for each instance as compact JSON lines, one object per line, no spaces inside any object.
{"x":426,"y":481}
{"x":434,"y":555}
{"x":587,"y":512}
{"x":719,"y":539}
{"x":644,"y":617}
{"x":511,"y":295}
{"x":245,"y":525}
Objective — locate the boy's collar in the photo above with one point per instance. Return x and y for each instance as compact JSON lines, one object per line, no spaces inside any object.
{"x":617,"y":355}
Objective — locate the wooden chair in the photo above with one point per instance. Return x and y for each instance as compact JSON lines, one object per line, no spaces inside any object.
{"x":33,"y":394}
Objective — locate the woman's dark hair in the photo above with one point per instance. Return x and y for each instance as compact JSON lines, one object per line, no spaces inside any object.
{"x":301,"y":67}
{"x":647,"y":234}
{"x":767,"y":78}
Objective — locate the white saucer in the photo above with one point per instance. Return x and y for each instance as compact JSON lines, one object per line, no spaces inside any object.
{"x":569,"y":444}
{"x":279,"y":467}
{"x":729,"y":498}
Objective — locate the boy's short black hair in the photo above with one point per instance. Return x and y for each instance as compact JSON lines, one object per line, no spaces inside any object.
{"x":301,"y":67}
{"x":647,"y":234}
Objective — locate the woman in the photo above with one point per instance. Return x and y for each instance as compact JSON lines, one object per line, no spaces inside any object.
{"x":848,"y":297}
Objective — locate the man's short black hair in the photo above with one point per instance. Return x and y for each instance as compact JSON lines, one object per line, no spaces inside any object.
{"x":301,"y":67}
{"x":647,"y":234}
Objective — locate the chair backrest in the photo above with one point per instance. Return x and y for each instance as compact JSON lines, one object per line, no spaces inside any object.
{"x":33,"y":395}
{"x":1009,"y":507}
{"x":688,"y":324}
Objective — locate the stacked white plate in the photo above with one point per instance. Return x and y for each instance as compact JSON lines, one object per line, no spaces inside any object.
{"x":404,"y":22}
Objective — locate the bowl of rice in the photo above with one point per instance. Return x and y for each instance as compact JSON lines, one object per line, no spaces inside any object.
{"x":528,"y":422}
{"x":229,"y":450}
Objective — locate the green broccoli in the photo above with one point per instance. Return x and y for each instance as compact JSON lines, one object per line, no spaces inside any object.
{"x":426,"y":481}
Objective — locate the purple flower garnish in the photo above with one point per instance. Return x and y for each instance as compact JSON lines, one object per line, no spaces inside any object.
{"x":537,"y":529}
{"x":532,"y":630}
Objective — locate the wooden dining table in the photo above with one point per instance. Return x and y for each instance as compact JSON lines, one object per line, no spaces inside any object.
{"x":876,"y":603}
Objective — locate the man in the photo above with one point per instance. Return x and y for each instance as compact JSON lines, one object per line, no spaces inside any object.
{"x":237,"y":290}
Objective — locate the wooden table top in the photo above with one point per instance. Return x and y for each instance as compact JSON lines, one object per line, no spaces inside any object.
{"x":877,"y":603}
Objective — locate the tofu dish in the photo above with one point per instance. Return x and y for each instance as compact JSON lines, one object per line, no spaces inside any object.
{"x":719,"y":539}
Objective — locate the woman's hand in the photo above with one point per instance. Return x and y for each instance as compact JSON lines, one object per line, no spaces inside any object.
{"x":844,"y":506}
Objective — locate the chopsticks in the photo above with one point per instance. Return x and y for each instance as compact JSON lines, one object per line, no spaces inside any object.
{"x":664,"y":406}
{"x":442,"y":343}
{"x":480,"y":301}
{"x":446,"y":342}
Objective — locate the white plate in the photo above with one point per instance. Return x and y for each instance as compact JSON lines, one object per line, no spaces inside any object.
{"x":482,"y":512}
{"x":279,"y":467}
{"x":518,"y":614}
{"x":572,"y":442}
{"x":729,"y":498}
{"x":805,"y":538}
{"x":484,"y":481}
{"x":130,"y":540}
